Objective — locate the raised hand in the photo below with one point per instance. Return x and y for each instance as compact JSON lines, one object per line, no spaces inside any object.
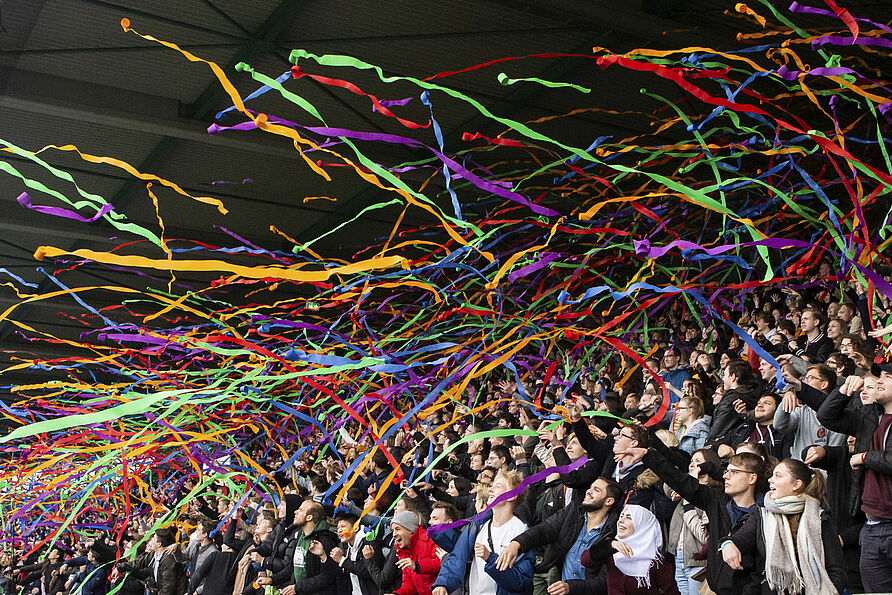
{"x":622,"y":548}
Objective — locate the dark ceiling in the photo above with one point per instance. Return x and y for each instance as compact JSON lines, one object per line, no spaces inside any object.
{"x":69,"y":74}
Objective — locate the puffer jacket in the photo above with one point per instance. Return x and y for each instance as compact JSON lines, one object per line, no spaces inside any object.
{"x":423,"y":551}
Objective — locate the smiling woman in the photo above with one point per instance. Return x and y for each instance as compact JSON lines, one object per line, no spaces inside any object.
{"x":793,"y":539}
{"x":634,"y":561}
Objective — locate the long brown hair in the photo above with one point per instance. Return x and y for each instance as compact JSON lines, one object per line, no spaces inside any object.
{"x":813,"y":483}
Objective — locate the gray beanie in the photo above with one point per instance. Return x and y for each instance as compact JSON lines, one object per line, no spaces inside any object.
{"x":407,"y":519}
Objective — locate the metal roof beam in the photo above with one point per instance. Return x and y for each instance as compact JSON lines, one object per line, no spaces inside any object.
{"x":266,"y":34}
{"x":516,"y":98}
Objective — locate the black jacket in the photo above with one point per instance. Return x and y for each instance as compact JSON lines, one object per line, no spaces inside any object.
{"x":171,"y":574}
{"x":725,"y":419}
{"x":750,"y":539}
{"x":41,"y":574}
{"x":637,"y":483}
{"x":323,"y":578}
{"x":215,"y":572}
{"x":358,"y":566}
{"x":384,"y":572}
{"x":778,"y":444}
{"x":722,"y":579}
{"x":835,"y":463}
{"x":847,"y":415}
{"x":820,"y":348}
{"x":273,"y":549}
{"x":559,"y":532}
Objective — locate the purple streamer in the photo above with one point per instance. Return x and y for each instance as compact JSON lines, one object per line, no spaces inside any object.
{"x":24,"y":199}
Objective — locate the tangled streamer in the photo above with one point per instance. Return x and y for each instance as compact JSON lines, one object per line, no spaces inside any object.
{"x":553,"y":257}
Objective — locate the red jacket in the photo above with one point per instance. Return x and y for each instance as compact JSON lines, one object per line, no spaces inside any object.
{"x":423,"y":552}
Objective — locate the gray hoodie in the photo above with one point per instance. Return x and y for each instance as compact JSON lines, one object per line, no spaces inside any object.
{"x":806,"y":429}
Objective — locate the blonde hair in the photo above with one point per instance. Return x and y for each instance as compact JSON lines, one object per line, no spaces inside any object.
{"x":513,"y":479}
{"x":667,"y":438}
{"x":696,"y":405}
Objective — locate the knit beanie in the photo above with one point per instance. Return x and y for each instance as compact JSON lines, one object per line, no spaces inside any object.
{"x":407,"y":519}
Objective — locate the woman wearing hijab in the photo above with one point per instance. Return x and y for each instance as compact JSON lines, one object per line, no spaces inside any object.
{"x":634,"y":561}
{"x":794,"y":541}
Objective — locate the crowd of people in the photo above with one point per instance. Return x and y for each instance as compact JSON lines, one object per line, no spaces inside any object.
{"x":706,"y":470}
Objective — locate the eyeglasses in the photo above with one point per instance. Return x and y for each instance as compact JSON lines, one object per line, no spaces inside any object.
{"x":810,"y":378}
{"x":626,"y":436}
{"x":730,"y":471}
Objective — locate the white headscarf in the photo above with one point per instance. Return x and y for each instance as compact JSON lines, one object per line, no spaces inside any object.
{"x":645,"y":542}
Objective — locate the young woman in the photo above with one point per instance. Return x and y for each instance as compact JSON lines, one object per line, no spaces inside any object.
{"x":835,"y":331}
{"x":693,"y":427}
{"x":635,"y":564}
{"x":794,"y":541}
{"x":689,"y":527}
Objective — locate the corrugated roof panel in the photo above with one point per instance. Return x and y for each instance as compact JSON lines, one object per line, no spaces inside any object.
{"x":320,"y":20}
{"x":153,"y":70}
{"x":63,"y":24}
{"x":251,"y":15}
{"x":33,"y":131}
{"x":159,"y":72}
{"x":189,"y":12}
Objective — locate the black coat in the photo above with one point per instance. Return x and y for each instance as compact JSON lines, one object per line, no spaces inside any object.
{"x":750,"y":539}
{"x":273,"y":547}
{"x":558,"y":533}
{"x":820,"y":349}
{"x":384,"y":572}
{"x":323,"y":578}
{"x":714,"y":502}
{"x":358,"y":566}
{"x":601,"y":464}
{"x":214,"y":571}
{"x":849,"y":416}
{"x":41,"y":574}
{"x":725,"y":419}
{"x":778,"y":444}
{"x":171,"y":574}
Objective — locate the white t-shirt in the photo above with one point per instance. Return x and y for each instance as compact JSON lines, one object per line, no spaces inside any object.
{"x":481,"y":583}
{"x":353,"y":555}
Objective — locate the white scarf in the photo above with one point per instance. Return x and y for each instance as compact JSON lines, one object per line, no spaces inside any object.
{"x":806,"y":572}
{"x":645,"y":542}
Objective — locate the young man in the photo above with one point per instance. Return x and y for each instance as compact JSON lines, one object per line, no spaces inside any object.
{"x":739,"y":384}
{"x":872,"y":468}
{"x":416,"y":555}
{"x":482,"y":542}
{"x":675,"y":374}
{"x":158,"y":569}
{"x":757,"y":427}
{"x":726,"y":509}
{"x":797,"y":415}
{"x":499,"y":457}
{"x":813,"y":341}
{"x":444,"y":513}
{"x":765,"y":324}
{"x":242,"y":571}
{"x":348,"y":555}
{"x":201,"y":546}
{"x":307,"y":568}
{"x":568,"y":533}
